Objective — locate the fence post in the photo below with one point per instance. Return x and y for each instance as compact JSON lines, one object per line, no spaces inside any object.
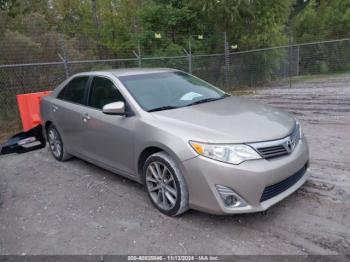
{"x":139,"y":50}
{"x":64,"y":58}
{"x":290,"y":56}
{"x":138,"y":54}
{"x":298,"y":59}
{"x":227,"y":61}
{"x":189,"y":56}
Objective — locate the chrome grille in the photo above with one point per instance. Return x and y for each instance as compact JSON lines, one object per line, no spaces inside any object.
{"x":277,"y":148}
{"x":272,"y":151}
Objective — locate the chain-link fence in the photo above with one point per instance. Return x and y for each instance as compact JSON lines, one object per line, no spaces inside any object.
{"x":25,"y":69}
{"x":283,"y":66}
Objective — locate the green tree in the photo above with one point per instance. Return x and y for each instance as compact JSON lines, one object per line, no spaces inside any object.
{"x":321,"y":20}
{"x":251,"y":24}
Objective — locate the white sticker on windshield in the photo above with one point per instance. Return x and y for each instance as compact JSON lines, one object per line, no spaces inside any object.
{"x":190,"y":96}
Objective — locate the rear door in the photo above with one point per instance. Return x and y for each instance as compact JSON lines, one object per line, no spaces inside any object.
{"x":67,"y":111}
{"x":108,"y":138}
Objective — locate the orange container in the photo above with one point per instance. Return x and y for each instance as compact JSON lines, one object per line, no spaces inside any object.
{"x":29,"y":109}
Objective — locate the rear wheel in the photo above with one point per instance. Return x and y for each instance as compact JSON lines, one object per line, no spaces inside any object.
{"x":56,"y":144}
{"x":165,"y":184}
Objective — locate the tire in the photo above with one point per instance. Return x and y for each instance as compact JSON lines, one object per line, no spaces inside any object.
{"x":165,"y":184}
{"x":56,"y":144}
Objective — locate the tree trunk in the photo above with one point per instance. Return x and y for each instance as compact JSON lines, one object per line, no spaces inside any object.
{"x":96,"y":22}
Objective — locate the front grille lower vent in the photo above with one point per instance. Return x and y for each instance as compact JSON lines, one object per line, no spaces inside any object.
{"x":278,"y":188}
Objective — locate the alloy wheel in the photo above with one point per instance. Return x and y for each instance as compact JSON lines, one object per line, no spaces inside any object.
{"x":161,"y":185}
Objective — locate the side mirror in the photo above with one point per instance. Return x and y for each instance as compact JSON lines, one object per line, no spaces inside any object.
{"x":115,"y":108}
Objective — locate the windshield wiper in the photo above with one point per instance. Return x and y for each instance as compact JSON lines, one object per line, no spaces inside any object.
{"x":208,"y":100}
{"x":162,"y":108}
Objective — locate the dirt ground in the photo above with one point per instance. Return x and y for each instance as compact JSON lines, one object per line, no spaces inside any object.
{"x":47,"y":207}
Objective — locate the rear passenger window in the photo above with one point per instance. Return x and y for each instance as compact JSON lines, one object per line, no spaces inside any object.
{"x":74,"y":91}
{"x":103,"y":92}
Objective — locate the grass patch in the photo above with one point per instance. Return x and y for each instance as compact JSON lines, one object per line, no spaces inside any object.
{"x":303,"y":78}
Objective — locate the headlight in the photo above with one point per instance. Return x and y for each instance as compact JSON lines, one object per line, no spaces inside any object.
{"x":228,"y":153}
{"x":299,"y":129}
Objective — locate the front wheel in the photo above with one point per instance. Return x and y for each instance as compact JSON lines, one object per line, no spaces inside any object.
{"x":165,"y":184}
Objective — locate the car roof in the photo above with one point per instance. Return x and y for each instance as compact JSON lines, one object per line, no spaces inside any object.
{"x":129,"y":71}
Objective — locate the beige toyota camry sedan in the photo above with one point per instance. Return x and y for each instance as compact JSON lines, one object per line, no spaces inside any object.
{"x":191,"y":144}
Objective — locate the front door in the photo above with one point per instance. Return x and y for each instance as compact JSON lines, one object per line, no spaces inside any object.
{"x":108,"y":139}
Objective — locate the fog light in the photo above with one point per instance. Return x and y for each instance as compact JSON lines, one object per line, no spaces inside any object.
{"x":230,"y":200}
{"x":229,"y":197}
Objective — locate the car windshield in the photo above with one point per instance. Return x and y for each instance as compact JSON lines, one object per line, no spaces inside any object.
{"x":168,"y":90}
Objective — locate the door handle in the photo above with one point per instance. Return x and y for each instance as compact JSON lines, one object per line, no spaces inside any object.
{"x":86,"y":118}
{"x":54,"y":108}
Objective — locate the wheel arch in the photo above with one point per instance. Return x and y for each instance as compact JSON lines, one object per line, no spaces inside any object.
{"x":45,"y":127}
{"x":150,"y":150}
{"x":47,"y":123}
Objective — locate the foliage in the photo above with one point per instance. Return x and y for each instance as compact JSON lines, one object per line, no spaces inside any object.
{"x":91,"y":29}
{"x":321,"y":20}
{"x":250,"y":24}
{"x":120,"y":25}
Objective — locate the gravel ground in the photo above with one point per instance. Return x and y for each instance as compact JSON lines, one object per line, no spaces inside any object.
{"x":47,"y":207}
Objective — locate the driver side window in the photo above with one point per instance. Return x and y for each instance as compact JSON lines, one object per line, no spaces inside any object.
{"x":75,"y":91}
{"x":103,"y":92}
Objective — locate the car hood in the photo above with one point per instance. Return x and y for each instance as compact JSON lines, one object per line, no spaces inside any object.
{"x":229,"y":120}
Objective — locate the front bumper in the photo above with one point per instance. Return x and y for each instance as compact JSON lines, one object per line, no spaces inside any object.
{"x":248,"y":180}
